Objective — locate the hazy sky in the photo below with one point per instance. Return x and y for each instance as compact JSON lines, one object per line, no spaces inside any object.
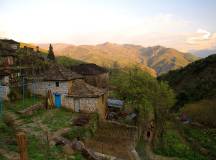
{"x":182,"y":24}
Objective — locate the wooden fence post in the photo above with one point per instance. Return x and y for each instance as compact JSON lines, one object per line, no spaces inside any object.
{"x":22,"y":144}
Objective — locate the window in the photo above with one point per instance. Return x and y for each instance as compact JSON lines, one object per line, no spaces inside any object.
{"x":57,"y":84}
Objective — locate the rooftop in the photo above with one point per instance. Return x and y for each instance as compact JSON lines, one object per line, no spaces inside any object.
{"x":81,"y":89}
{"x":9,"y":41}
{"x":59,"y":73}
{"x":88,"y":69}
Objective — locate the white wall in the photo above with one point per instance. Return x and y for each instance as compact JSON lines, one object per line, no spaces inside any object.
{"x":4,"y":91}
{"x":41,"y":88}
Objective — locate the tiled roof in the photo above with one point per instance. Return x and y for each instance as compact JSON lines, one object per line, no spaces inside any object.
{"x":81,"y":89}
{"x":59,"y":73}
{"x":88,"y":69}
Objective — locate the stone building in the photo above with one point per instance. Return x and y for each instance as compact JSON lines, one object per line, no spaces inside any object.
{"x":9,"y":44}
{"x":83,"y":97}
{"x":8,"y":52}
{"x":93,"y":74}
{"x":4,"y":84}
{"x":8,"y":71}
{"x":69,"y":90}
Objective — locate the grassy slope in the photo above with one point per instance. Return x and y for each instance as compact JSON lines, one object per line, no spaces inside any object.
{"x":203,"y":111}
{"x":176,"y":146}
{"x":53,"y":119}
{"x":64,"y":60}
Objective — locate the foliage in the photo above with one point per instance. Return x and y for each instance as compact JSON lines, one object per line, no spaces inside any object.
{"x":78,"y":156}
{"x":21,"y":104}
{"x":205,"y":138}
{"x":7,"y":137}
{"x":203,"y":111}
{"x":86,"y":131}
{"x":193,"y":82}
{"x":140,"y":148}
{"x":37,"y":151}
{"x":36,"y":61}
{"x":51,"y":55}
{"x":67,"y":62}
{"x":57,"y":118}
{"x":143,"y":91}
{"x":174,"y":146}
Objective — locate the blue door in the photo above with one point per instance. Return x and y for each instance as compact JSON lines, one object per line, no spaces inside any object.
{"x":57,"y":100}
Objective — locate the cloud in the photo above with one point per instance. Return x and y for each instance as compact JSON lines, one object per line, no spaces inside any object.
{"x":201,"y":35}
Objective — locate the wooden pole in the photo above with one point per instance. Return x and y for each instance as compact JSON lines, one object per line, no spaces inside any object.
{"x":22,"y":144}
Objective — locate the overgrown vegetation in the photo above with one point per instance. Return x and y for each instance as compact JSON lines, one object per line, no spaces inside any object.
{"x":67,"y":62}
{"x":175,"y":146}
{"x":203,"y":139}
{"x":193,"y":82}
{"x":84,"y":132}
{"x":146,"y":94}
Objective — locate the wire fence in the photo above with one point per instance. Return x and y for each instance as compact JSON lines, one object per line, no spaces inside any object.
{"x":21,"y":90}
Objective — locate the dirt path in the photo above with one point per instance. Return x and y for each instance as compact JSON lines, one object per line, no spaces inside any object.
{"x":10,"y":155}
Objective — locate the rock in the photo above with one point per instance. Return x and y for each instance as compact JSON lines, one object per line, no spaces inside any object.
{"x":78,"y":145}
{"x":67,"y":149}
{"x":204,"y":151}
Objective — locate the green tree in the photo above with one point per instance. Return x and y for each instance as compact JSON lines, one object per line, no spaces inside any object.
{"x":150,"y":96}
{"x":51,"y":55}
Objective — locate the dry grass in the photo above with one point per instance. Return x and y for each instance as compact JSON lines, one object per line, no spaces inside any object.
{"x":203,"y":112}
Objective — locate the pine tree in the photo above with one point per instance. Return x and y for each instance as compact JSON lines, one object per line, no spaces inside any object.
{"x":51,"y":55}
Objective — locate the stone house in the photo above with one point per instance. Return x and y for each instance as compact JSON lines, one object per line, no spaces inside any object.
{"x":93,"y":74}
{"x":83,"y":97}
{"x":9,"y":44}
{"x":8,"y":52}
{"x":69,"y":90}
{"x":4,"y":84}
{"x":8,"y":70}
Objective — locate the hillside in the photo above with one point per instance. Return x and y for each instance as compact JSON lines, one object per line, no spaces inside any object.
{"x":194,"y":82}
{"x":155,"y":60}
{"x":66,"y":61}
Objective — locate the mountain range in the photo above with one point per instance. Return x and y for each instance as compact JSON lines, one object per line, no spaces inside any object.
{"x":204,"y":52}
{"x":155,"y":60}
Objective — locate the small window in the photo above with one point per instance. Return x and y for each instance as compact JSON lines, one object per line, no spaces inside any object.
{"x":57,"y":84}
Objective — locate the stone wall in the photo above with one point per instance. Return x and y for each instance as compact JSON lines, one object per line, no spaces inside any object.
{"x":41,"y":88}
{"x":87,"y":105}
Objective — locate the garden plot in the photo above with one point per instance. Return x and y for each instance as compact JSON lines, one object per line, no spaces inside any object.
{"x":114,"y":140}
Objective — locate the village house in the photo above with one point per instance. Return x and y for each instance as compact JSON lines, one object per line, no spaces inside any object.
{"x":93,"y":74}
{"x":8,"y":52}
{"x":69,"y":90}
{"x":7,"y":61}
